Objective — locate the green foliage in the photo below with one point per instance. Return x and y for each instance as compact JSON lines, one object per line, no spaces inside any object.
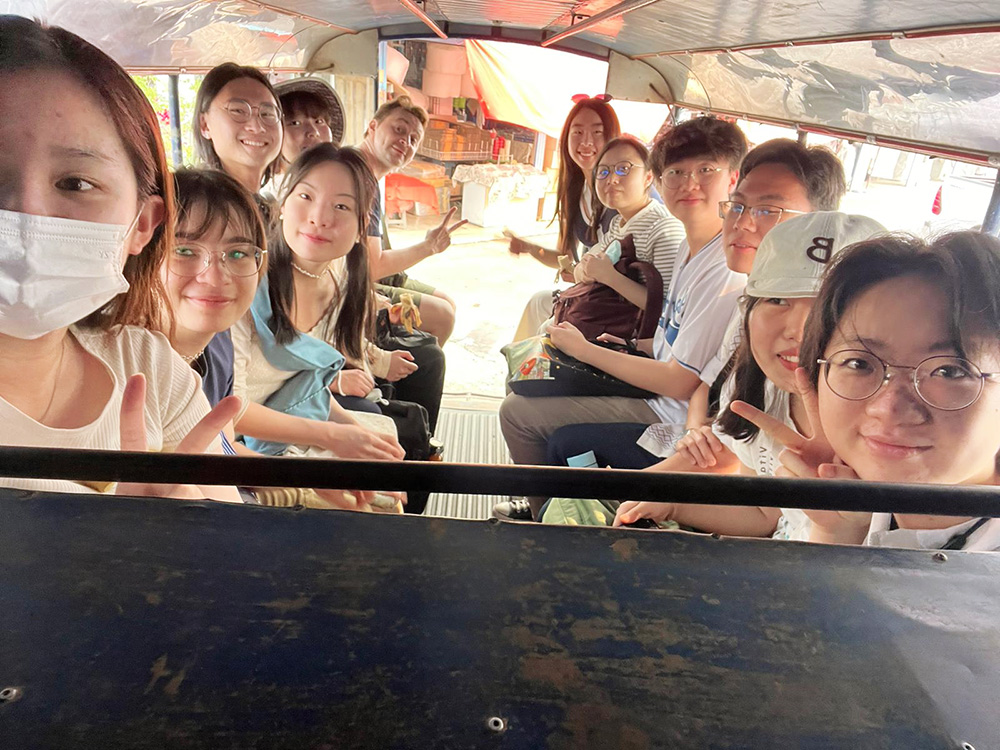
{"x":156,"y":89}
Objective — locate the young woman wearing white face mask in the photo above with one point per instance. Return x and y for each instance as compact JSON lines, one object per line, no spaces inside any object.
{"x":84,"y":199}
{"x":899,"y":374}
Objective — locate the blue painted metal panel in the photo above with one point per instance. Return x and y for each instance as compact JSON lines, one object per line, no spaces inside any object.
{"x":155,"y":623}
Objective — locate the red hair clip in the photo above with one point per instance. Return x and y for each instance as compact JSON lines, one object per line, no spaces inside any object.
{"x":577,"y":98}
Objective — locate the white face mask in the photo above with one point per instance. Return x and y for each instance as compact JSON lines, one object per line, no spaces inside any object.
{"x":54,"y":272}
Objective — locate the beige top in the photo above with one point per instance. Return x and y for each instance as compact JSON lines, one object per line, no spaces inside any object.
{"x":174,"y":404}
{"x":256,"y":379}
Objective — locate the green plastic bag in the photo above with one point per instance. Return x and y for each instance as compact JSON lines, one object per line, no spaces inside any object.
{"x":569,"y":511}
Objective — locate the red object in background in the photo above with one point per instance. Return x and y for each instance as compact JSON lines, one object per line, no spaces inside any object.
{"x":402,"y":191}
{"x":936,"y":206}
{"x":498,"y":143}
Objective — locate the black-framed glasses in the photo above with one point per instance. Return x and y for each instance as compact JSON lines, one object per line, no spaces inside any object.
{"x":676,"y":178}
{"x":241,"y":111}
{"x":763,"y":215}
{"x":191,"y":259}
{"x":622,"y":168}
{"x":945,"y":383}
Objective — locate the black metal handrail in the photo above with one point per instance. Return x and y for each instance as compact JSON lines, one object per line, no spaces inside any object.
{"x":483,"y":479}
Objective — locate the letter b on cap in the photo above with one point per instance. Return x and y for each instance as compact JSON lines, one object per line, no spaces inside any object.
{"x":821,"y":249}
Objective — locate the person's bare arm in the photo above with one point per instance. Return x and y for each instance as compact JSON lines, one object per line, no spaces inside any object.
{"x":348,"y":440}
{"x":666,"y":378}
{"x":388,"y":262}
{"x":383,"y":263}
{"x":521,"y":246}
{"x":631,"y":290}
{"x":599,"y":267}
{"x":729,"y":520}
{"x":697,"y":413}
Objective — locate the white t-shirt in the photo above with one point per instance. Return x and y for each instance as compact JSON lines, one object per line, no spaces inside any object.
{"x":984,"y":539}
{"x":657,"y":236}
{"x":700,"y":301}
{"x":175,"y":403}
{"x":760,"y":453}
{"x":730,"y":343}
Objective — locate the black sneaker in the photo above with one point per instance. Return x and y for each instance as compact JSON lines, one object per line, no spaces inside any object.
{"x":515,"y":509}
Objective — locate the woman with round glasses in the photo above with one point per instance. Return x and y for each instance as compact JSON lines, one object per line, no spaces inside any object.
{"x":211,"y":274}
{"x":237,"y":124}
{"x":900,"y":360}
{"x":622,"y":180}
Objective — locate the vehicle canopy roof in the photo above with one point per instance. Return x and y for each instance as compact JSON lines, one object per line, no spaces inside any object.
{"x":922,"y":75}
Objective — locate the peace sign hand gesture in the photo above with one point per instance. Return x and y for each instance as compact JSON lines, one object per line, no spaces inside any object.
{"x":803,"y":456}
{"x":810,"y":457}
{"x":201,"y":436}
{"x":439,"y":238}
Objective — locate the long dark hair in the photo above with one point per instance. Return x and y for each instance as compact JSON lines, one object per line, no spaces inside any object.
{"x":640,"y":150}
{"x":211,"y":85}
{"x":28,"y":45}
{"x":349,"y":329}
{"x":748,"y":381}
{"x":571,"y":178}
{"x":965,"y":266}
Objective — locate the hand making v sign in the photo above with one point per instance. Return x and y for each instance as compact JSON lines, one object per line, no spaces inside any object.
{"x":201,"y":436}
{"x":809,"y":457}
{"x":804,"y":456}
{"x":439,"y":238}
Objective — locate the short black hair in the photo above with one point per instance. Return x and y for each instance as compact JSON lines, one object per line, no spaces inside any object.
{"x":815,"y":167}
{"x":965,"y":266}
{"x":707,"y":137}
{"x":303,"y":102}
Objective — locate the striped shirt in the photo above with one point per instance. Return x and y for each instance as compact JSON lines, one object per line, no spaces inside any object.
{"x":657,"y":236}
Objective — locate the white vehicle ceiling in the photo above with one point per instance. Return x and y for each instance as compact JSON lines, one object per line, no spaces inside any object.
{"x":920,"y":74}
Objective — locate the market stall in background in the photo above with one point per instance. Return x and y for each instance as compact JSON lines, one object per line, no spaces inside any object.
{"x":496,"y":111}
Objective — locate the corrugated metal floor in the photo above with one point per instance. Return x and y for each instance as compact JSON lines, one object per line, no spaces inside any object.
{"x":469,"y":437}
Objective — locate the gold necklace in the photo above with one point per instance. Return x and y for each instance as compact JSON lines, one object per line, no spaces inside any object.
{"x":304,"y":272}
{"x":55,"y":385}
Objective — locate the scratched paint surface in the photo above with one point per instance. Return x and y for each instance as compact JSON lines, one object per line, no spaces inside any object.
{"x":149,"y":624}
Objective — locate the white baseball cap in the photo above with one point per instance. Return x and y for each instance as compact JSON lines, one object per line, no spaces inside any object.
{"x":792,"y":257}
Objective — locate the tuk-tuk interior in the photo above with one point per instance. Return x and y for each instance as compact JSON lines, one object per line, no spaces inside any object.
{"x":139,"y":623}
